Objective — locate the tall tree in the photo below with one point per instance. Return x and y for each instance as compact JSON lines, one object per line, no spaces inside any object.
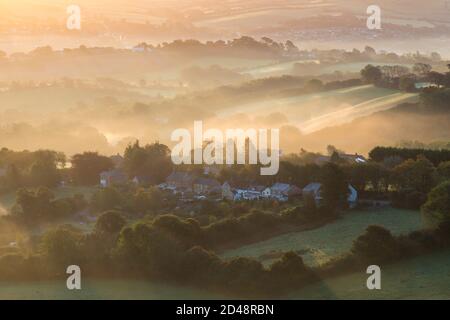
{"x":152,"y":161}
{"x":86,"y":167}
{"x":334,"y":186}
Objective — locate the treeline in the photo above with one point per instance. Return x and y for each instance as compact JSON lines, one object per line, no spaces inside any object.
{"x":380,"y":154}
{"x":434,"y":86}
{"x":30,"y":169}
{"x":404,"y":78}
{"x":49,"y":168}
{"x":36,"y":206}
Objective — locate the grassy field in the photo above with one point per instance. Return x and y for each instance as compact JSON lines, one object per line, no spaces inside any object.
{"x":425,"y":277}
{"x":101,"y":289}
{"x":320,"y":244}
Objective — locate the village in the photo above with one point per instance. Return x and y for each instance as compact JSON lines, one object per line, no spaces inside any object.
{"x":190,"y":186}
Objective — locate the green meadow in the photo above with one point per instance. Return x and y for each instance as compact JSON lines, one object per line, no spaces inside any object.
{"x":318,"y":245}
{"x":424,"y":277}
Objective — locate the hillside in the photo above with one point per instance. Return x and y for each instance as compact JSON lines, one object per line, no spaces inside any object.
{"x":405,"y":122}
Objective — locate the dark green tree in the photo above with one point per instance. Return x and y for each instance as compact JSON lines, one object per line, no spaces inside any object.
{"x":86,"y":167}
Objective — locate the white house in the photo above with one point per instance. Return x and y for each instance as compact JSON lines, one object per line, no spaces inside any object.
{"x":314,"y":189}
{"x":266,"y":193}
{"x":282,"y":191}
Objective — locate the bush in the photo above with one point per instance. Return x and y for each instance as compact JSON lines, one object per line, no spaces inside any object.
{"x":376,"y":245}
{"x":436,"y":210}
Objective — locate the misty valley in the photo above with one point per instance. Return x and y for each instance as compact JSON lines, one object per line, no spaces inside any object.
{"x":173,"y":150}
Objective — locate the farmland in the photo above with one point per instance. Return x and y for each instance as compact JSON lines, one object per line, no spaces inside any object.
{"x":424,"y":277}
{"x":318,"y":245}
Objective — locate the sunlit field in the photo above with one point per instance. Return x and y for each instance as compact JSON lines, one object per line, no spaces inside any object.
{"x":424,"y":277}
{"x":312,"y":112}
{"x":318,"y":245}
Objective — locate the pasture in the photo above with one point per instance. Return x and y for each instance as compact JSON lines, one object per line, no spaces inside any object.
{"x":424,"y":277}
{"x":318,"y":245}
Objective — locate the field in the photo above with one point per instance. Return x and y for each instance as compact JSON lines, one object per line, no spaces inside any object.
{"x":100,"y":289}
{"x":312,"y":112}
{"x":333,"y":239}
{"x":424,"y":277}
{"x":282,"y":68}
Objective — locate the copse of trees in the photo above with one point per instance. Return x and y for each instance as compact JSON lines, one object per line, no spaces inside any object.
{"x":370,"y":175}
{"x":371,"y":74}
{"x":30,"y":169}
{"x":34,"y":206}
{"x":400,"y":77}
{"x":419,"y":175}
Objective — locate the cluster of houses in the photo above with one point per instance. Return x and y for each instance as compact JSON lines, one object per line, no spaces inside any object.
{"x":191,"y":187}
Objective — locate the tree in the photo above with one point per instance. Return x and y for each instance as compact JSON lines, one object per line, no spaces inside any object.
{"x":332,"y":149}
{"x":421,"y":69}
{"x":370,"y":51}
{"x":148,"y":200}
{"x":418,"y":175}
{"x":86,"y":167}
{"x":437,"y":208}
{"x":44,"y":170}
{"x":436,"y":78}
{"x":33,"y":206}
{"x":61,"y":247}
{"x":334,"y":188}
{"x":110,"y":222}
{"x":408,"y":83}
{"x":152,"y":160}
{"x":375,"y":245}
{"x":444,"y":170}
{"x":371,"y":74}
{"x":106,"y":199}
